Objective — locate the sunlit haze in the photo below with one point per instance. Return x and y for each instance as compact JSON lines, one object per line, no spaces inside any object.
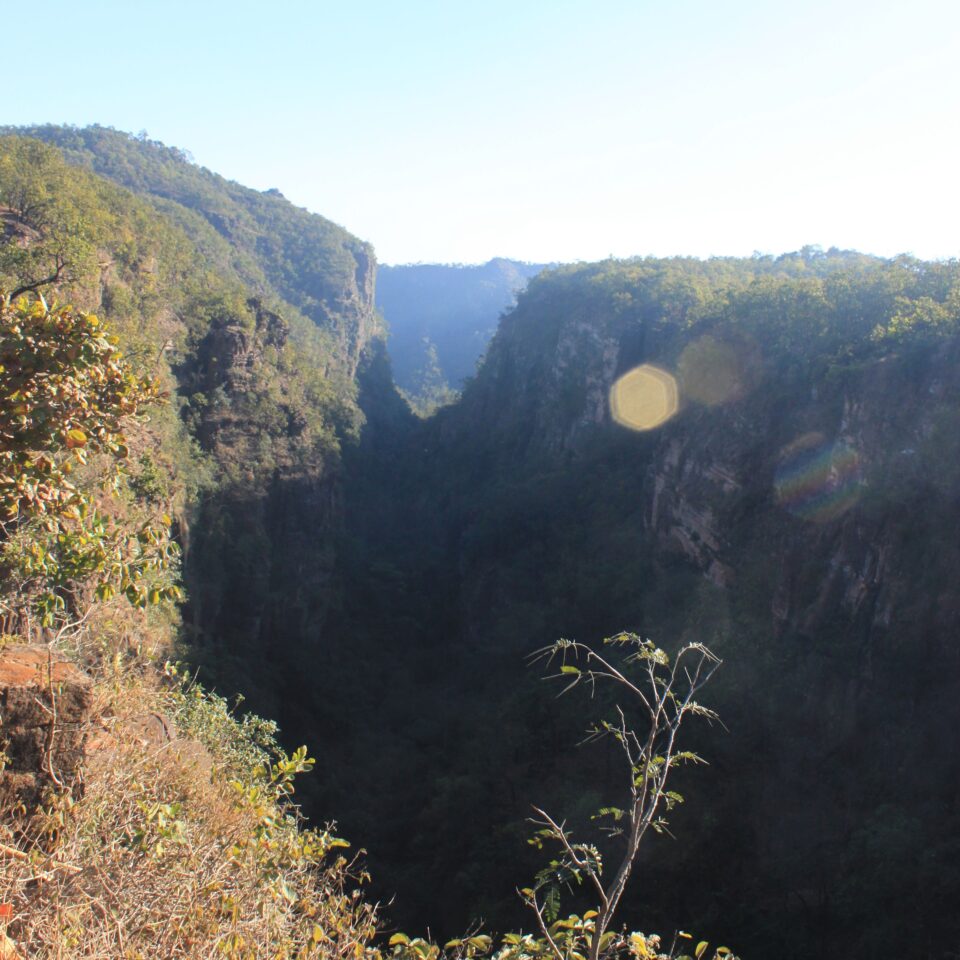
{"x":454,"y":132}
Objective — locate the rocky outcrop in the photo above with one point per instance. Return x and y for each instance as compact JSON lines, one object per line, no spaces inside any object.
{"x":44,"y":707}
{"x":357,"y":305}
{"x":810,"y":491}
{"x":230,"y":353}
{"x":13,"y":229}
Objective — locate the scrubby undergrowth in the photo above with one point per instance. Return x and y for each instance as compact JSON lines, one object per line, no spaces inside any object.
{"x":184,"y":842}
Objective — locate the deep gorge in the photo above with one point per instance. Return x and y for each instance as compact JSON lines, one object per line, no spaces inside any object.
{"x":799,"y":517}
{"x":375,"y":582}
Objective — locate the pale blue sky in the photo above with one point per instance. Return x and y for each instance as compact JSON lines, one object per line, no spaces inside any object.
{"x":559,"y":130}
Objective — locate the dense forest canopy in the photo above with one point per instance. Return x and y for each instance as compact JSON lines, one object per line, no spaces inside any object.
{"x":375,"y":581}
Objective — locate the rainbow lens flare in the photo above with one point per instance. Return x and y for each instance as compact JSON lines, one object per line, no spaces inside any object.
{"x":817,"y":480}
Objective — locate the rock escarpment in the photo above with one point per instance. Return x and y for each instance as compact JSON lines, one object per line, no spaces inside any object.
{"x":798,"y":513}
{"x":45,"y":703}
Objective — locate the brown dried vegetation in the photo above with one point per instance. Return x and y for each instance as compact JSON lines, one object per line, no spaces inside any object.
{"x":173,"y":850}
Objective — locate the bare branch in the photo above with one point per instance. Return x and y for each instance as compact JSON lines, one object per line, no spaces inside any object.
{"x":35,"y":285}
{"x":541,"y":923}
{"x":579,"y":862}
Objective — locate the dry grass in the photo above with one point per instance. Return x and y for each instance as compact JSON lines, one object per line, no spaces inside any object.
{"x":175,"y":849}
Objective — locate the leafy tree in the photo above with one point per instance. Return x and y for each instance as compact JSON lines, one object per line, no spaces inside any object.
{"x":48,"y":241}
{"x":66,"y":395}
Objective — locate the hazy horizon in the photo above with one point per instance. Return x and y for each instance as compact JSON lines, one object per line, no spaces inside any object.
{"x":556,"y":132}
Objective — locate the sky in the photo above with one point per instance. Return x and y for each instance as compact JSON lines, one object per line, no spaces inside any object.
{"x":543,"y":131}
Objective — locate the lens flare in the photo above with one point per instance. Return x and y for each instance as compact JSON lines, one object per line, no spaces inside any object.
{"x":817,"y":480}
{"x":712,"y":371}
{"x":644,"y":398}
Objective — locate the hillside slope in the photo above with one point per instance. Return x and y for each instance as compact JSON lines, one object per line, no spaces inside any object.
{"x":276,"y":248}
{"x":798,"y":513}
{"x":149,"y":390}
{"x":196,"y":270}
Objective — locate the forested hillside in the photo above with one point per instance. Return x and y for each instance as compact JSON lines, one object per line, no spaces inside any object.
{"x":165,"y":415}
{"x":267,"y":326}
{"x":798,"y":513}
{"x":311,"y":263}
{"x":441,"y":318}
{"x":376,"y":582}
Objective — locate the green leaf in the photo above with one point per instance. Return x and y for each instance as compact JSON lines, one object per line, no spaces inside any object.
{"x":614,"y":812}
{"x":701,"y":949}
{"x":551,"y":904}
{"x":399,"y":938}
{"x":566,"y":668}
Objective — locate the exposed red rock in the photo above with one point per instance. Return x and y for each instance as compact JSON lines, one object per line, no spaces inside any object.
{"x":44,"y":706}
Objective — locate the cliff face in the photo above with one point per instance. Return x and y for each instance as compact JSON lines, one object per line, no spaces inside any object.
{"x":365,"y":326}
{"x":261,"y":564}
{"x":258,"y":314}
{"x":797,"y":513}
{"x":765,"y":470}
{"x":261,"y":558}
